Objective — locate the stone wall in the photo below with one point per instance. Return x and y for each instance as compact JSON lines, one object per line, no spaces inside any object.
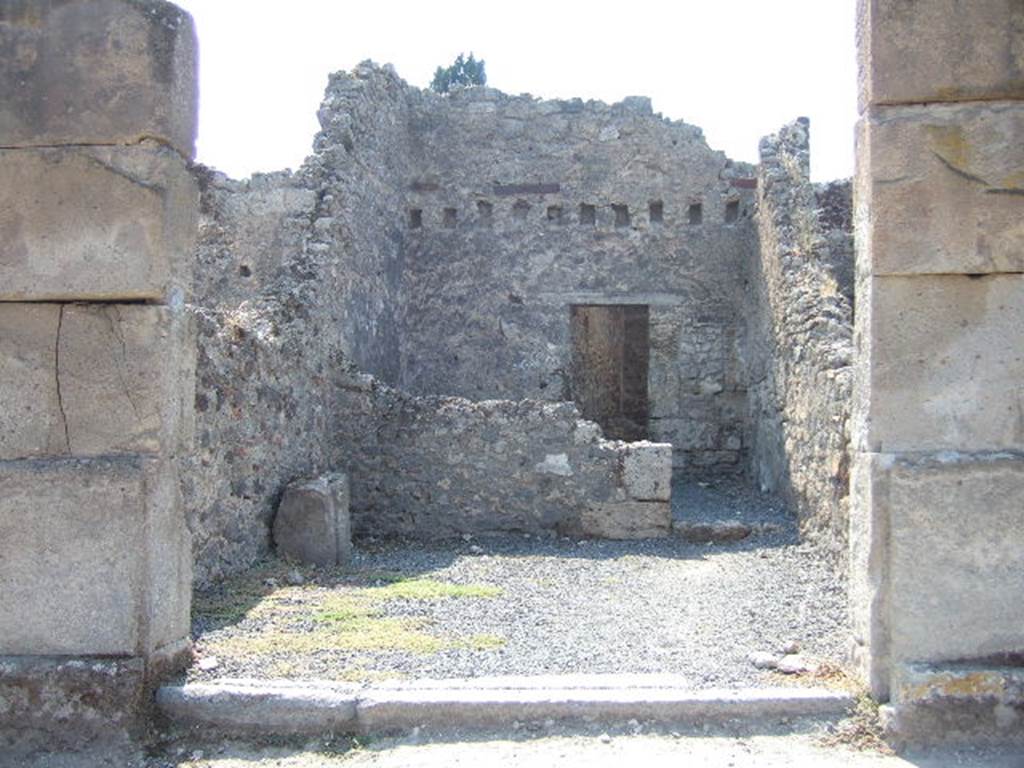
{"x":937,"y":524}
{"x":521,"y":208}
{"x":800,"y":338}
{"x":97,"y":215}
{"x":434,"y":467}
{"x":302,"y":276}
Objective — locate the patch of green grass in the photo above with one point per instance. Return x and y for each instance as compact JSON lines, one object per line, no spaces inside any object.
{"x":485,"y":642}
{"x":429,"y":589}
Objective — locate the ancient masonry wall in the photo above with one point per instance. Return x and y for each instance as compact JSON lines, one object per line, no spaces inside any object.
{"x":433,"y":467}
{"x":97,"y":215}
{"x":439,"y":245}
{"x":299,"y":286}
{"x":521,"y":208}
{"x":800,"y":345}
{"x":937,"y":533}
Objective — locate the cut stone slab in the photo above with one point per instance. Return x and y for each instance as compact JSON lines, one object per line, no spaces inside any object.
{"x":945,"y":188}
{"x":647,"y":471}
{"x":126,"y":377}
{"x":94,"y":379}
{"x":286,"y":708}
{"x":251,"y":706}
{"x":73,"y":556}
{"x":31,"y":423}
{"x":626,"y":520}
{"x":97,"y":559}
{"x":97,"y":72}
{"x":956,"y":569}
{"x":52,"y":704}
{"x":312,"y":523}
{"x":965,"y":702}
{"x":96,"y":224}
{"x":914,"y":52}
{"x":944,"y":356}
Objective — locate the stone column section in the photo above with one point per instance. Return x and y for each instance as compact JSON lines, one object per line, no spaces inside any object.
{"x":98,"y":214}
{"x":937,"y":523}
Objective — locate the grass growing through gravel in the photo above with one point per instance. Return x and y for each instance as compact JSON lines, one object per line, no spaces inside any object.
{"x":254,"y":618}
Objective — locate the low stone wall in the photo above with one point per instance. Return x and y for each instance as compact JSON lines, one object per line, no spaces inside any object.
{"x":800,"y":338}
{"x":441,"y":466}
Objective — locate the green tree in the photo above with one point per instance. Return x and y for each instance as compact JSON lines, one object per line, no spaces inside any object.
{"x":463,"y":72}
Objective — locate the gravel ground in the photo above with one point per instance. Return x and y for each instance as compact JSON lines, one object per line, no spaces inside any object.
{"x":554,"y":606}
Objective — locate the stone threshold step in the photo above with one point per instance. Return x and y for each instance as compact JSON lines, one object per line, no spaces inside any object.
{"x":281,"y":707}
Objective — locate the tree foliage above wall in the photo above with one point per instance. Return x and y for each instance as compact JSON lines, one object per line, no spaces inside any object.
{"x":464,"y":71}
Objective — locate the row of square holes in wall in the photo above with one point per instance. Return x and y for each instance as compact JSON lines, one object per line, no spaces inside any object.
{"x":587,"y":214}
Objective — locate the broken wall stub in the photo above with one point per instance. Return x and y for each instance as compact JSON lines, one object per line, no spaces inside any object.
{"x":438,"y":467}
{"x":97,"y":124}
{"x":938,"y":472}
{"x":297,"y":279}
{"x":799,"y":350}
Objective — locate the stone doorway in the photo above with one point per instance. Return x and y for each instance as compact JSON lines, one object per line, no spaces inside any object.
{"x":610,"y":353}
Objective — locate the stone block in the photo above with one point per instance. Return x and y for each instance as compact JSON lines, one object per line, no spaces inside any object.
{"x":73,"y":536}
{"x":97,"y":72}
{"x":868,"y":548}
{"x":167,"y":618}
{"x":956,"y":554}
{"x":68,"y":705}
{"x":647,"y":471}
{"x":312,"y":523}
{"x":626,"y":520}
{"x":96,"y":224}
{"x":90,"y":379}
{"x":945,"y":189}
{"x":962,"y":702}
{"x":126,"y":377}
{"x":31,"y":423}
{"x":939,"y":50}
{"x":942,"y":361}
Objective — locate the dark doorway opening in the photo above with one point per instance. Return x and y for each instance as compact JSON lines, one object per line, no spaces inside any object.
{"x":610,"y":353}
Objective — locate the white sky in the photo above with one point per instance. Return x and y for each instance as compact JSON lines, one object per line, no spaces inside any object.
{"x":739,"y":69}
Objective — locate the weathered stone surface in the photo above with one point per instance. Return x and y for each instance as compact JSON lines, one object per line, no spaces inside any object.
{"x":167,"y":611}
{"x":963,"y":599}
{"x":626,"y":520}
{"x":868,"y":563}
{"x":939,"y":50}
{"x":97,"y":72}
{"x":99,"y":223}
{"x":800,"y":350}
{"x":312,"y":523}
{"x":97,"y":559}
{"x":647,"y":471}
{"x":91,"y":379}
{"x":717,"y":531}
{"x":945,"y":187}
{"x":53,"y":705}
{"x":126,"y":376}
{"x":944,"y":358}
{"x":74,"y":537}
{"x":31,"y":423}
{"x":969,"y":701}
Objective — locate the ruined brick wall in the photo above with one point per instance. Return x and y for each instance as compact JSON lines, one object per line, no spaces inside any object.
{"x":800,"y":337}
{"x":298,"y":277}
{"x":433,"y":467}
{"x":521,"y":208}
{"x":301,"y":287}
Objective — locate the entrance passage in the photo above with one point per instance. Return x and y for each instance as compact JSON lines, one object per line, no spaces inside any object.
{"x":610,"y":351}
